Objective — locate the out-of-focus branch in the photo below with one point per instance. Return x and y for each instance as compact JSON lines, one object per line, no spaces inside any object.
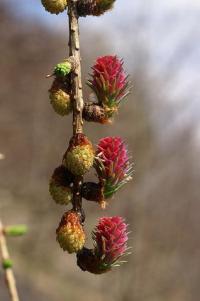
{"x":7,"y":265}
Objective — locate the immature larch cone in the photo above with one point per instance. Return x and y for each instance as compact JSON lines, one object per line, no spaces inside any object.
{"x":79,"y":157}
{"x":112,"y":164}
{"x":109,"y":82}
{"x":59,"y":186}
{"x":70,"y":233}
{"x":93,"y":7}
{"x":110,"y":244}
{"x":60,"y":98}
{"x":54,"y":6}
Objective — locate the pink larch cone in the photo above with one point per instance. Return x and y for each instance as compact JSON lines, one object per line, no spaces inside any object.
{"x":110,"y":237}
{"x":110,"y":244}
{"x":109,"y":82}
{"x":112,"y":164}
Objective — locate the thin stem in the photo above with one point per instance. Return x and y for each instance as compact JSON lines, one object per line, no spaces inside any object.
{"x":9,"y":275}
{"x":77,"y":94}
{"x":74,"y":50}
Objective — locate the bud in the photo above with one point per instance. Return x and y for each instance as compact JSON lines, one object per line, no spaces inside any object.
{"x":15,"y":230}
{"x":63,"y":69}
{"x":93,"y":192}
{"x":93,"y":7}
{"x":88,"y":261}
{"x":60,"y":98}
{"x":7,"y":264}
{"x":70,"y":233}
{"x":59,"y":186}
{"x":109,"y":83}
{"x":110,"y":244}
{"x":54,"y":6}
{"x":95,"y":113}
{"x":79,"y":157}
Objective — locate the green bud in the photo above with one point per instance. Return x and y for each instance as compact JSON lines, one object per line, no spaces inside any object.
{"x":7,"y":264}
{"x":62,"y":69}
{"x":16,"y":230}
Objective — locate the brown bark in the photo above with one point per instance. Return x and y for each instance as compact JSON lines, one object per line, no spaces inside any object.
{"x":77,"y":94}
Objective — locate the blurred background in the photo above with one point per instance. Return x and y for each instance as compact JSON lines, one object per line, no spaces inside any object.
{"x":159,"y":41}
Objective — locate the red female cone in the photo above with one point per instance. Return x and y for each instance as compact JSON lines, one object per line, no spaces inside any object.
{"x":110,"y":244}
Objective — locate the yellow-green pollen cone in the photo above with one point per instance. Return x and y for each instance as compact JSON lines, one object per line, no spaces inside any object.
{"x":79,"y":157}
{"x":70,"y":234}
{"x":59,"y":186}
{"x":60,"y":194}
{"x":54,"y":6}
{"x":59,"y":98}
